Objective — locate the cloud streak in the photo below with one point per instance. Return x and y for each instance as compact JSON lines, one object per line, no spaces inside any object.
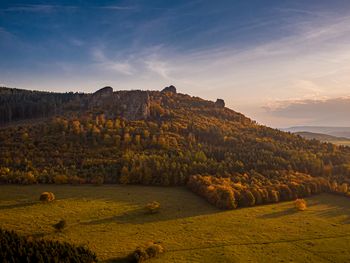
{"x":40,"y":8}
{"x":334,"y":111}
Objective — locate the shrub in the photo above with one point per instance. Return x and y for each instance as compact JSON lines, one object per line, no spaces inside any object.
{"x":60,"y":225}
{"x":47,"y":197}
{"x":141,"y":254}
{"x":152,"y":207}
{"x":300,"y":204}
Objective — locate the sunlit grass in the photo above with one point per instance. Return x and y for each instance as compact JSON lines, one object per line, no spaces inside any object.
{"x":111,"y":221}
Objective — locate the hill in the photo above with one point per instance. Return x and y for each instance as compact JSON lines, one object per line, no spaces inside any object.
{"x":332,"y":131}
{"x":324,"y":138}
{"x":162,"y":138}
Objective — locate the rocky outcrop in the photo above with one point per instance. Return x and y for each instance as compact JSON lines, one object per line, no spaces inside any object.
{"x":170,"y":89}
{"x":104,"y":92}
{"x":131,"y":105}
{"x":220,"y":103}
{"x":135,"y":104}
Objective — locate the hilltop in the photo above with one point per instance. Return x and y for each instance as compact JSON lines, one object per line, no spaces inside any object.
{"x":160,"y":138}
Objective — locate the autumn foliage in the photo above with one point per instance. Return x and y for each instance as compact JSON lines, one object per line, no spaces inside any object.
{"x":243,"y":191}
{"x":300,"y":204}
{"x":47,"y":197}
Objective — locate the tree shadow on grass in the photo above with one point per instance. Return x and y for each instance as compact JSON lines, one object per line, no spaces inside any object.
{"x":17,"y":205}
{"x":277,"y":214}
{"x":336,"y":206}
{"x":137,"y":216}
{"x":116,"y":260}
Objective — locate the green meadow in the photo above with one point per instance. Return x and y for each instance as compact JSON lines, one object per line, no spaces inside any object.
{"x":111,"y":221}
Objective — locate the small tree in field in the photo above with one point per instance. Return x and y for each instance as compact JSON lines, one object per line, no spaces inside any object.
{"x":60,"y":225}
{"x":47,"y":197}
{"x":141,"y":254}
{"x":152,"y":207}
{"x":300,"y":204}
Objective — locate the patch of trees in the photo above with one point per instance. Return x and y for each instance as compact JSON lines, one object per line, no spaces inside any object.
{"x":241,"y":190}
{"x":17,"y":104}
{"x":16,"y":248}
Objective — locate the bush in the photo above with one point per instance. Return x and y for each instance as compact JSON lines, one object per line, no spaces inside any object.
{"x":47,"y":197}
{"x":300,"y":204}
{"x":152,"y":207}
{"x":141,"y":254}
{"x":60,"y":225}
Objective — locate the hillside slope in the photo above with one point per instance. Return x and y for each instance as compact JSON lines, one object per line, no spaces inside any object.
{"x":158,"y":138}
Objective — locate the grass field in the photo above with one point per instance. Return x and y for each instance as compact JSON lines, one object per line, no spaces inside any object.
{"x":110,"y":221}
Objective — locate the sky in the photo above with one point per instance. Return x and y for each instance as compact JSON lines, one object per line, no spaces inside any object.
{"x":281,"y":63}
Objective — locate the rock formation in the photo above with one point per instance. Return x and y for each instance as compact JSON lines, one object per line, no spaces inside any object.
{"x":170,"y":89}
{"x":220,"y":103}
{"x":132,"y":105}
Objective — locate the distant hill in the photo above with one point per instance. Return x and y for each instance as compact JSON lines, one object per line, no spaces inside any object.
{"x":333,"y":131}
{"x":324,"y":138}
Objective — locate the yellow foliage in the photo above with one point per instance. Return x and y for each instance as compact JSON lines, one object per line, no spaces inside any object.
{"x":300,"y":204}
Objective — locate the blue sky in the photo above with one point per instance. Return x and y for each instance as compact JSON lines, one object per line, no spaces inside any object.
{"x":268,"y":59}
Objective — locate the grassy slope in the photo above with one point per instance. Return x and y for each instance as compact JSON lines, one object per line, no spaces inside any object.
{"x":109,"y":220}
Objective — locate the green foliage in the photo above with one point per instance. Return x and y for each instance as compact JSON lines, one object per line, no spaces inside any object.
{"x":15,"y":248}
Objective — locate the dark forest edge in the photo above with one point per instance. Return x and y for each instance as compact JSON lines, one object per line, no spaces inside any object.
{"x":16,"y":248}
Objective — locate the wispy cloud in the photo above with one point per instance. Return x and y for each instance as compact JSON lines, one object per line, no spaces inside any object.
{"x":39,"y":8}
{"x":119,"y":7}
{"x":332,"y":111}
{"x":114,"y":65}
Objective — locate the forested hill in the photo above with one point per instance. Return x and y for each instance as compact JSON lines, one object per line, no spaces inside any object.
{"x":150,"y":137}
{"x":18,"y":104}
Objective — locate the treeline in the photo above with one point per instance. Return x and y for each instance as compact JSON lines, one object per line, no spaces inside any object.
{"x":17,"y":104}
{"x":15,"y":248}
{"x":230,"y":192}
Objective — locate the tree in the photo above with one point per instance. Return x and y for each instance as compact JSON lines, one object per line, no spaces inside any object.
{"x":60,"y":225}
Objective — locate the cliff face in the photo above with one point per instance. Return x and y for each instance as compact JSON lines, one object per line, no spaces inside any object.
{"x":132,"y":105}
